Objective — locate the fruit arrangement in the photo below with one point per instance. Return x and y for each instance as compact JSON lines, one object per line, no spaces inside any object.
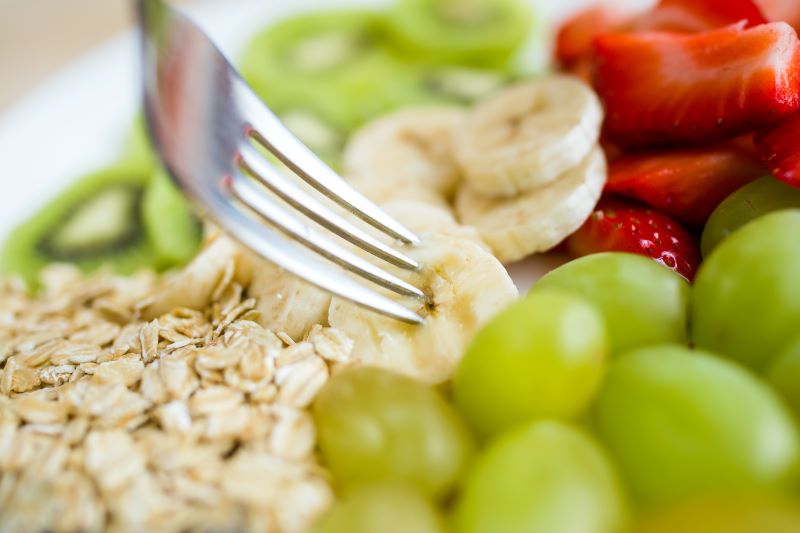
{"x":651,"y":384}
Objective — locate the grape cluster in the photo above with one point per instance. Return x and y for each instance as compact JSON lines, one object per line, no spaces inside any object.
{"x":613,"y":397}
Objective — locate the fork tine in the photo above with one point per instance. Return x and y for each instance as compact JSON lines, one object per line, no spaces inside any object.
{"x":272,"y":210}
{"x":283,"y":144}
{"x":282,"y":185}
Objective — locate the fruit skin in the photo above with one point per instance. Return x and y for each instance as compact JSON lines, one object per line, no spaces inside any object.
{"x":544,"y":477}
{"x":528,"y":363}
{"x":618,"y":226}
{"x":692,"y":16}
{"x":784,"y":375}
{"x":676,"y":88}
{"x":642,"y":302}
{"x":755,"y":199}
{"x":681,"y":423}
{"x":737,"y":513}
{"x":385,"y":507}
{"x":780,"y":150}
{"x":686,"y":183}
{"x":374,"y":425}
{"x":746,"y":298}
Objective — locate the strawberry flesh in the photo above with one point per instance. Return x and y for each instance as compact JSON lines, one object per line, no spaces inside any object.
{"x":692,"y":16}
{"x":686,"y":183}
{"x":781,"y":10}
{"x":671,"y":88}
{"x":779,"y":147}
{"x":619,"y":226}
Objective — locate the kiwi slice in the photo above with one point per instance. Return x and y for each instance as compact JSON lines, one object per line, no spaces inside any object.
{"x":477,"y":32}
{"x":452,"y":84}
{"x":96,"y":221}
{"x":338,"y":58}
{"x":171,"y":227}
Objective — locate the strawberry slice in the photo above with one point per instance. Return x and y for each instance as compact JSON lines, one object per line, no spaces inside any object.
{"x":618,"y":226}
{"x":686,"y":183}
{"x":781,"y":10}
{"x":676,"y":88}
{"x":779,"y":147}
{"x":692,"y":16}
{"x":575,"y":38}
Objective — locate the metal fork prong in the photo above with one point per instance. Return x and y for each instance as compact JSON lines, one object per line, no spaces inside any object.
{"x":292,"y":257}
{"x":274,"y":211}
{"x":269,"y":130}
{"x":282,"y":185}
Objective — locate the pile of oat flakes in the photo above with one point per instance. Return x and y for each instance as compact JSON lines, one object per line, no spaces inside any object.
{"x":192,"y":421}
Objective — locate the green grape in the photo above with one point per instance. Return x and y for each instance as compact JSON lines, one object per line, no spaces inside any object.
{"x":784,"y":375}
{"x":384,"y":508}
{"x":374,"y":425}
{"x":681,"y":423}
{"x":544,"y":356}
{"x":740,"y":513}
{"x":746,"y":299}
{"x":755,"y":199}
{"x":545,"y":477}
{"x":642,"y":302}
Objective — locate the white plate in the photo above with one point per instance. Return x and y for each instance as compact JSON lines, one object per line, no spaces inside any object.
{"x":76,"y":121}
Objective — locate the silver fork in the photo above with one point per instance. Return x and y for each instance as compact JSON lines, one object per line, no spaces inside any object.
{"x":205,"y":123}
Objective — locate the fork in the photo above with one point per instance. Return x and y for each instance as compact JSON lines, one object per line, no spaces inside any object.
{"x":211,"y":132}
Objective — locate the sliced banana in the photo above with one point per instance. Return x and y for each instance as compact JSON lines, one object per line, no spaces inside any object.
{"x":526,"y":136}
{"x":538,"y":220}
{"x":426,"y":219}
{"x":407,"y":154}
{"x":286,"y":303}
{"x":467,"y":286}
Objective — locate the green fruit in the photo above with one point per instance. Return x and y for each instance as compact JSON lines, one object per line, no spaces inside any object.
{"x":483,"y":32}
{"x":745,"y":513}
{"x":544,"y":356}
{"x":169,"y":223}
{"x":96,"y":221}
{"x":681,"y":423}
{"x":784,"y":374}
{"x":449,"y":84}
{"x":746,"y":299}
{"x":337,"y":58}
{"x":755,"y":199}
{"x":642,"y":302}
{"x":374,"y":425}
{"x":545,"y":477}
{"x":384,"y":508}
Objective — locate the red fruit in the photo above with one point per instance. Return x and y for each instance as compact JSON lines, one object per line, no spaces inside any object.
{"x":618,"y":226}
{"x":575,"y":38}
{"x":779,"y":148}
{"x":686,"y":183}
{"x":781,"y":10}
{"x":692,"y":16}
{"x":687,"y":88}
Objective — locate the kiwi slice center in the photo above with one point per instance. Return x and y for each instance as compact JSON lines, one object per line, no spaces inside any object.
{"x":462,"y":84}
{"x":466,"y":13}
{"x":108,"y":221}
{"x":326,"y":51}
{"x":314,"y":131}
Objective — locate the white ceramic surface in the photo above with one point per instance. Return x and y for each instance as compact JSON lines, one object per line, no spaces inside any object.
{"x":76,"y":121}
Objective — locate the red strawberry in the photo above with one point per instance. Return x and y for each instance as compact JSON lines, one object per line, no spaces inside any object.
{"x":574,"y":39}
{"x":686,"y":183}
{"x":781,"y":10}
{"x":779,"y":147}
{"x":617,"y":226}
{"x":691,"y":16}
{"x":676,"y":88}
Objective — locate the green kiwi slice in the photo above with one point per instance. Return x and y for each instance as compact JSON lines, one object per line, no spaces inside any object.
{"x":171,"y":227}
{"x":452,"y":84}
{"x":96,"y":221}
{"x":481,"y":32}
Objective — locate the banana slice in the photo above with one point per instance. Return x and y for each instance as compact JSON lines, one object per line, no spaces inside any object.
{"x":538,"y":220}
{"x":407,"y":154}
{"x":426,"y":220}
{"x":286,"y":303}
{"x":526,"y":136}
{"x":467,"y":286}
